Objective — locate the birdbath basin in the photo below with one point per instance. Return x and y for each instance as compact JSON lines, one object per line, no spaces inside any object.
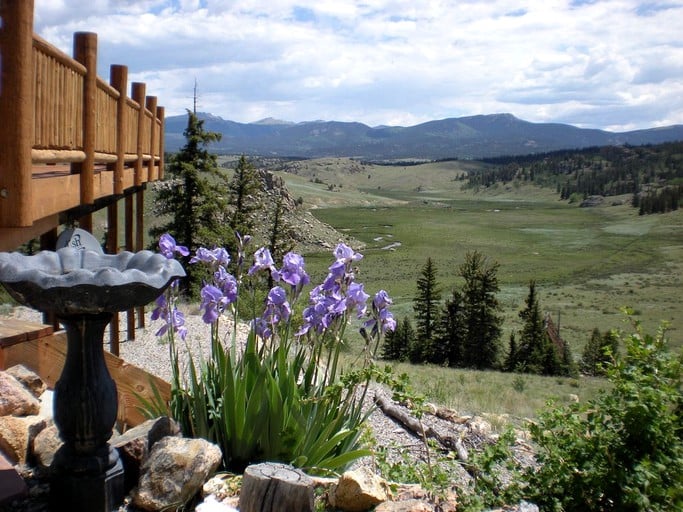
{"x":83,"y":289}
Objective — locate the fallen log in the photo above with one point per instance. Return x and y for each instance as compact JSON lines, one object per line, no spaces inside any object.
{"x":417,"y":428}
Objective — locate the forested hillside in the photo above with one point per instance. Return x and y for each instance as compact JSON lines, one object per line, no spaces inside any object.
{"x":653,"y":175}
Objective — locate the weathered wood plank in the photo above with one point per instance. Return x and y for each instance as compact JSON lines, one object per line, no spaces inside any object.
{"x":46,"y":356}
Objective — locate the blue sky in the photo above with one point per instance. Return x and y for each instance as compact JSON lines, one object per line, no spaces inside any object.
{"x":609,"y":64}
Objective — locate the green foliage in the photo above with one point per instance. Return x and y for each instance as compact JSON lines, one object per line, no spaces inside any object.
{"x":489,"y":488}
{"x":452,"y":330}
{"x":426,"y":307}
{"x":193,"y":198}
{"x":481,"y":311}
{"x":622,"y":451}
{"x":537,"y":352}
{"x":243,"y":192}
{"x":599,"y":352}
{"x":397,"y":343}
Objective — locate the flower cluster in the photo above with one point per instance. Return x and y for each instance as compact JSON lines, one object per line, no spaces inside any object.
{"x":339,"y":294}
{"x":329,"y":304}
{"x":174,"y":320}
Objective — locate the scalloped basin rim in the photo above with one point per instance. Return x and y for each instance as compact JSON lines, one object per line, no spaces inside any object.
{"x":72,"y":281}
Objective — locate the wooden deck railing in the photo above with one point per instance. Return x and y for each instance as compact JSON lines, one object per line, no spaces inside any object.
{"x":68,"y":139}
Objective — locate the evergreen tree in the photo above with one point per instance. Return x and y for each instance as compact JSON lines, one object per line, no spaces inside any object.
{"x":244,"y":196}
{"x":481,"y":311}
{"x":598,"y":352}
{"x":452,"y":332}
{"x":397,"y":343}
{"x":511,"y":361}
{"x":194,"y":198}
{"x":426,"y":307}
{"x":535,"y":353}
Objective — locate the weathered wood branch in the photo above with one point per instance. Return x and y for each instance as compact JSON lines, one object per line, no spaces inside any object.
{"x":417,"y":428}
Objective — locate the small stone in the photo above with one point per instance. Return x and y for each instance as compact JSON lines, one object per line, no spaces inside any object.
{"x":15,"y":398}
{"x":28,"y":378}
{"x":135,"y":444}
{"x":17,"y":434}
{"x":45,"y":445}
{"x":174,"y":472}
{"x":358,"y":490}
{"x":405,"y":506}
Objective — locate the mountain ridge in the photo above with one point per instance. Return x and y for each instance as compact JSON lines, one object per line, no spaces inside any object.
{"x":469,"y":137}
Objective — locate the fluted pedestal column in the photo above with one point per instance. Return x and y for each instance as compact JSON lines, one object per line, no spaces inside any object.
{"x":87,"y":472}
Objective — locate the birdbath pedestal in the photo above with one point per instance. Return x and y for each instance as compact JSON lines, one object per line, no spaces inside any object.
{"x":84,"y":289}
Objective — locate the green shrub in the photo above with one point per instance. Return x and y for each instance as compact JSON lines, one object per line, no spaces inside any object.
{"x":622,"y":451}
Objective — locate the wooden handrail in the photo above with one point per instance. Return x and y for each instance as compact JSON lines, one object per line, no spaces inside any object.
{"x":55,"y":110}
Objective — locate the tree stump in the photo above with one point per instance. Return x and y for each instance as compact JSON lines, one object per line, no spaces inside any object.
{"x":273,"y":487}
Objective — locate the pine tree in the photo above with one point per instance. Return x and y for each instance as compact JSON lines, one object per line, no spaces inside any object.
{"x":194,"y":197}
{"x":426,"y":307}
{"x":397,"y":343}
{"x":598,"y":352}
{"x":511,"y":361}
{"x":244,"y":188}
{"x":452,"y":332}
{"x":535,"y":352}
{"x":480,"y":308}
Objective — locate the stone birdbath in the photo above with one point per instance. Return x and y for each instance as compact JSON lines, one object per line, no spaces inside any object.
{"x":83,"y":289}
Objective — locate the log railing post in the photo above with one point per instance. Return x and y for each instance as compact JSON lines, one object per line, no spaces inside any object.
{"x":152,"y":107}
{"x":130,"y":246}
{"x":85,"y":52}
{"x":138,"y":94}
{"x":113,"y":248}
{"x":161,"y":114}
{"x":16,"y":112}
{"x":139,"y":240}
{"x":118,"y":77}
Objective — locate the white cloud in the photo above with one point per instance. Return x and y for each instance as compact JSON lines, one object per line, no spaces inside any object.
{"x":606,"y":64}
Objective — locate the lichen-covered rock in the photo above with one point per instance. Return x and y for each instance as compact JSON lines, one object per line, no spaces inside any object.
{"x":405,"y":506}
{"x":28,"y":378}
{"x":17,"y":434}
{"x":174,"y":472}
{"x":135,"y":444}
{"x":15,"y":398}
{"x":45,"y":445}
{"x":358,"y":490}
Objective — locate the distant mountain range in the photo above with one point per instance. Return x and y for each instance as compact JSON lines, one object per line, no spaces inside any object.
{"x":471,"y":137}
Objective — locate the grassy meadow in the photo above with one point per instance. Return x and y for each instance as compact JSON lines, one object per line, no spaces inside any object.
{"x":587,"y":262}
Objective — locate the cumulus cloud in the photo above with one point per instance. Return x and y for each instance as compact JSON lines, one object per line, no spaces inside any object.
{"x":612,"y":64}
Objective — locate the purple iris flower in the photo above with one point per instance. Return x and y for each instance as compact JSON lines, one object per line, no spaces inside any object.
{"x":292,"y":271}
{"x":172,"y":317}
{"x":382,"y":300}
{"x":277,"y":307}
{"x":344,"y":253}
{"x":262,"y":261}
{"x":168,"y":247}
{"x":216,"y":256}
{"x":261,"y":328}
{"x":227,"y":284}
{"x":382,"y":320}
{"x":213,"y":303}
{"x":356,"y":297}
